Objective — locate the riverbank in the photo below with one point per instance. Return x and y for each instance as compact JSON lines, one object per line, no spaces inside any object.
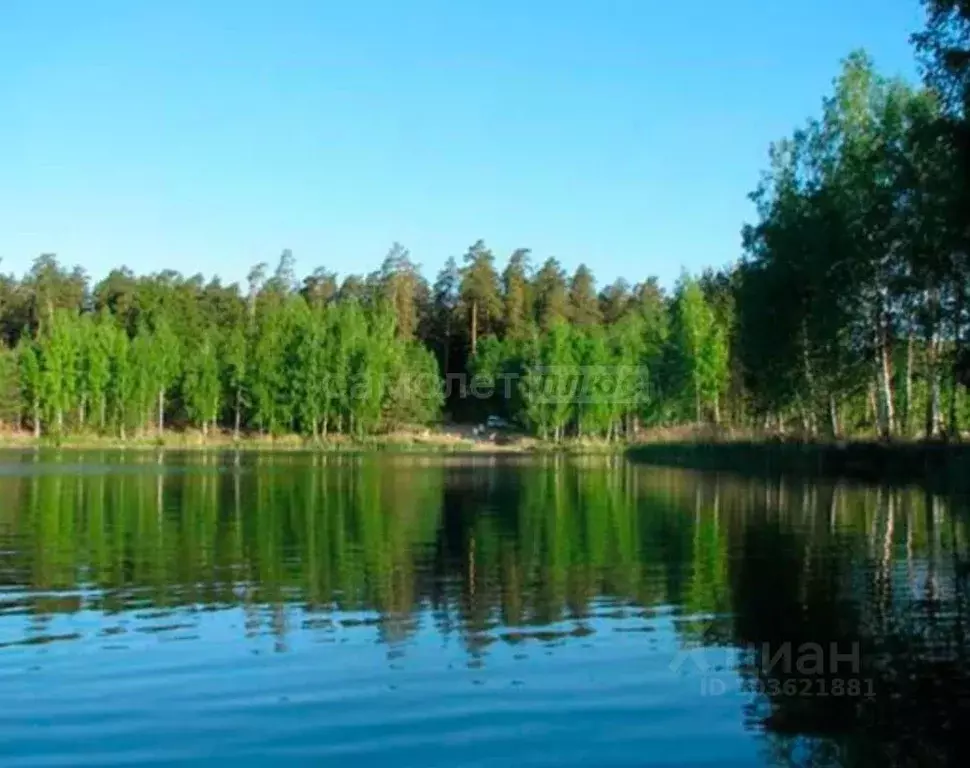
{"x":457,"y":439}
{"x":936,"y":464}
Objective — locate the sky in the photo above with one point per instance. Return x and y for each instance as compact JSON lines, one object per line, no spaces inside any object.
{"x":208,"y":135}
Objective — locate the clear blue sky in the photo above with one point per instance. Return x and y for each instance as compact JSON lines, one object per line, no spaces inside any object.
{"x":208,"y":135}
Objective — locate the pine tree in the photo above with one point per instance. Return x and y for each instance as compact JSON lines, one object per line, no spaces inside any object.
{"x":614,"y":301}
{"x":479,"y":292}
{"x":517,"y":296}
{"x":584,"y":308}
{"x":403,"y":289}
{"x":445,"y":302}
{"x":551,"y":295}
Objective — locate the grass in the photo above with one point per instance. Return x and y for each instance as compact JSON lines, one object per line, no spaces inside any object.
{"x":404,"y":441}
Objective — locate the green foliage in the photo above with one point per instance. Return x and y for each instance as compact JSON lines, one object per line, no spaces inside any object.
{"x":584,"y":308}
{"x":479,"y":292}
{"x":551,"y":295}
{"x":518,"y":296}
{"x":699,"y":349}
{"x":859,"y":251}
{"x":201,"y":386}
{"x":302,"y":356}
{"x":9,"y":388}
{"x":28,"y":359}
{"x":415,"y":395}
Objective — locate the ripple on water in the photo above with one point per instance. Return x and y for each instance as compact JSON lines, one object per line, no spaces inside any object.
{"x":436,"y":614}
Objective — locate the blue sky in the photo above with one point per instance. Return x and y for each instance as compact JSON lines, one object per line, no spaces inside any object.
{"x":208,"y":135}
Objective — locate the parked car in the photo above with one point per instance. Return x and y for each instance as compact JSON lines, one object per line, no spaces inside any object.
{"x":496,"y":422}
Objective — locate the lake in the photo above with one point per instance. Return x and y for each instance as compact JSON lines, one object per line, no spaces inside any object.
{"x":299,"y":609}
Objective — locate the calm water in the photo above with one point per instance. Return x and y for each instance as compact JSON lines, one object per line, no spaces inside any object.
{"x":301,"y":610}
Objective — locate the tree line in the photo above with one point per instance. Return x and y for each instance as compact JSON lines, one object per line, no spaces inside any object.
{"x":131,"y":354}
{"x":848,"y":311}
{"x":852,"y":292}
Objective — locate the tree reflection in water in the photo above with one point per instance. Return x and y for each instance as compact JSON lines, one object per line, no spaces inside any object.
{"x":517,"y":551}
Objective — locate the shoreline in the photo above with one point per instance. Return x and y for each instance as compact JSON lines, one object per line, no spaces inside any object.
{"x":429,"y":442}
{"x":935,"y":464}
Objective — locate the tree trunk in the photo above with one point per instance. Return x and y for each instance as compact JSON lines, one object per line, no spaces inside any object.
{"x":933,"y":383}
{"x":161,"y":411}
{"x":474,"y":326}
{"x":806,"y":419}
{"x":697,"y":401}
{"x":809,"y":374}
{"x":235,"y":427}
{"x":907,"y":425}
{"x":81,"y":413}
{"x":834,"y":416}
{"x":953,"y":426}
{"x":887,"y":415}
{"x":953,"y":430}
{"x":872,"y":411}
{"x":36,"y":419}
{"x":446,"y":351}
{"x":103,"y":415}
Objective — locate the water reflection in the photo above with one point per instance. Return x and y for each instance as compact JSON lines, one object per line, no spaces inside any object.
{"x":537,"y":554}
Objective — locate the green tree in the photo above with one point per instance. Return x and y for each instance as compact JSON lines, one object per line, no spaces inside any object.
{"x":201,"y":385}
{"x":9,"y":388}
{"x":551,"y":295}
{"x":310,"y":371}
{"x":700,"y":346}
{"x":404,"y":289}
{"x":121,"y":389}
{"x":235,"y":353}
{"x":479,"y":292}
{"x":164,"y":363}
{"x":584,"y":308}
{"x":597,"y":372}
{"x":614,"y":301}
{"x":58,"y":348}
{"x":551,"y":383}
{"x":517,"y":296}
{"x":445,"y":308}
{"x":625,"y":392}
{"x":319,"y":288}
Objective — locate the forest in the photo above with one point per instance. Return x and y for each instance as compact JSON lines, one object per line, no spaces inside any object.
{"x":847,"y":312}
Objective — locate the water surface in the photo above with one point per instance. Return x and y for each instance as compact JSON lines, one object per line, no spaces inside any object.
{"x":307,"y":610}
